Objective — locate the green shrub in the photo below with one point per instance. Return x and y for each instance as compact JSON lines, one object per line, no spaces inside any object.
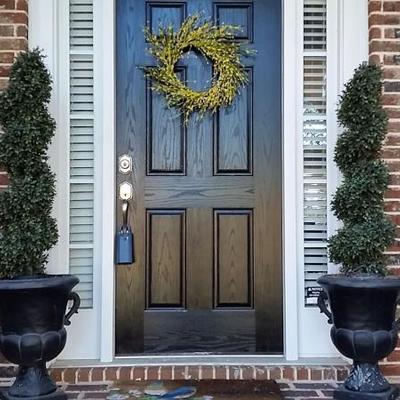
{"x":366,"y":232}
{"x":27,"y":230}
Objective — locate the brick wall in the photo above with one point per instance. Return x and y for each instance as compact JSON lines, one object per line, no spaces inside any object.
{"x":13,"y":38}
{"x":384,"y":49}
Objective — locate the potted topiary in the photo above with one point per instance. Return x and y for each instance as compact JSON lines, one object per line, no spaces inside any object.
{"x":364,"y":297}
{"x":32,"y":304}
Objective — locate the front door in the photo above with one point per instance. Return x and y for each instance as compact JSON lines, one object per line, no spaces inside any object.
{"x":207,"y":206}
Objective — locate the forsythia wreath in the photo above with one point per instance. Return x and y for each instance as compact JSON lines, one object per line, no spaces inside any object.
{"x":215,"y":43}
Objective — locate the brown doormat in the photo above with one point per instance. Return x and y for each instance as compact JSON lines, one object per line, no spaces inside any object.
{"x":204,"y":390}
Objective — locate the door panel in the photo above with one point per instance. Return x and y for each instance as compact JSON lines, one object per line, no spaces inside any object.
{"x":206,"y":213}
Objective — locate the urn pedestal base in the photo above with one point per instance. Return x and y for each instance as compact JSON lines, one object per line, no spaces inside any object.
{"x":57,"y":395}
{"x":341,"y":393}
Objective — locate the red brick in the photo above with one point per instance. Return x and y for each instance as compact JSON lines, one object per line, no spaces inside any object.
{"x":328,"y":374}
{"x":125,"y":374}
{"x":316,"y":374}
{"x":392,"y":194}
{"x":393,"y":112}
{"x":288,"y":373}
{"x":302,"y":373}
{"x":342,"y":374}
{"x":56,"y":374}
{"x":374,"y":6}
{"x":13,"y":44}
{"x":97,"y":374}
{"x":6,"y":58}
{"x":375,"y":59}
{"x":395,"y":356}
{"x":7,"y":5}
{"x":22,"y":31}
{"x":376,"y":19}
{"x":276,"y":373}
{"x":83,"y":375}
{"x":138,"y":373}
{"x":70,"y":375}
{"x":391,"y":206}
{"x":248,"y":373}
{"x":22,"y":5}
{"x":391,"y":99}
{"x":3,"y":84}
{"x":391,"y":6}
{"x":6,"y":30}
{"x":220,"y":372}
{"x":15,"y":17}
{"x":375,"y":33}
{"x":391,"y":73}
{"x":207,"y":372}
{"x":389,"y":59}
{"x":152,"y":373}
{"x":179,"y":372}
{"x":166,"y":373}
{"x":390,"y":369}
{"x":4,"y":180}
{"x":388,"y":34}
{"x":5,"y":70}
{"x":194,"y":372}
{"x":262,"y":373}
{"x":384,"y":45}
{"x":112,"y":373}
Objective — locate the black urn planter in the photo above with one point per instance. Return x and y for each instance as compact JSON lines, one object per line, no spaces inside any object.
{"x":362,"y":311}
{"x":32,"y":319}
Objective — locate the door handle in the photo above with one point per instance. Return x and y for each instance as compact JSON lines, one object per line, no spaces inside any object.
{"x":124,"y":240}
{"x":125,"y":207}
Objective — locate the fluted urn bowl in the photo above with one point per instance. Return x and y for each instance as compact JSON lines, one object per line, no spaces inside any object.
{"x":362,"y":312}
{"x":32,"y":319}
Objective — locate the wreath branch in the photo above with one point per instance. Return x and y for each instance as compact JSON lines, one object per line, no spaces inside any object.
{"x":216,"y":43}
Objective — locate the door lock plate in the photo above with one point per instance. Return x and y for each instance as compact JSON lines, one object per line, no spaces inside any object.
{"x":125,"y":164}
{"x":125,"y":191}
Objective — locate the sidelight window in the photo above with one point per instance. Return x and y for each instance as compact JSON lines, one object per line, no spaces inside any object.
{"x":314,"y":146}
{"x":81,"y":147}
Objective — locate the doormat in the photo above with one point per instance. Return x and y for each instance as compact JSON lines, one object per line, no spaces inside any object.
{"x":197,"y":390}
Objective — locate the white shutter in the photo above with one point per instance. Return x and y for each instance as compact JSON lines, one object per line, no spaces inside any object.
{"x":314,"y":147}
{"x":81,"y":148}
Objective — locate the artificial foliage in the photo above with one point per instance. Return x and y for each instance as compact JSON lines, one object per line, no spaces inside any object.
{"x":27,"y":230}
{"x":366,"y":232}
{"x":216,"y":43}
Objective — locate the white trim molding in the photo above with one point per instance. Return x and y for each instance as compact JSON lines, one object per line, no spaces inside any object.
{"x":91,"y":335}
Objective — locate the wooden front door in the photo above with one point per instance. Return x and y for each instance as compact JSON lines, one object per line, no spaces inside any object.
{"x":207,"y":205}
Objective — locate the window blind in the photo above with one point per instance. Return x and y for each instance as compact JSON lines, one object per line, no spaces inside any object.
{"x":81,"y":147}
{"x":314,"y":147}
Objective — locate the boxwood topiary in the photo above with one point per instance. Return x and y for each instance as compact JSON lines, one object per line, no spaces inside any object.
{"x":27,"y":229}
{"x":360,"y":244}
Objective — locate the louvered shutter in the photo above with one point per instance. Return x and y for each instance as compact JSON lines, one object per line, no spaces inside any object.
{"x":81,"y":151}
{"x":314,"y":147}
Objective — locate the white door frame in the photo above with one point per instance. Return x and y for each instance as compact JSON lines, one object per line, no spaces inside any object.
{"x":347,"y":46}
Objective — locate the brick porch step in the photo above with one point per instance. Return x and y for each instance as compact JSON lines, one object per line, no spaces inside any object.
{"x":77,"y":375}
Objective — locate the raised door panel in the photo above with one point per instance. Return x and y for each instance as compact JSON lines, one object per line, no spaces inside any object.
{"x":165,"y":258}
{"x":233,"y":241}
{"x":166,"y":135}
{"x":234,"y":134}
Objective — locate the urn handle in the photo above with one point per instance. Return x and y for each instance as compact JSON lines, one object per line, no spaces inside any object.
{"x":322,"y":304}
{"x":74,"y":309}
{"x":396,"y":324}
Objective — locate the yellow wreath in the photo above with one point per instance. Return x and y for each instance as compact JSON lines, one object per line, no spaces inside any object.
{"x":215,"y":43}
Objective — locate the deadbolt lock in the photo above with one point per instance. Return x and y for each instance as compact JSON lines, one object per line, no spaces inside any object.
{"x":125,"y":191}
{"x":125,"y":164}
